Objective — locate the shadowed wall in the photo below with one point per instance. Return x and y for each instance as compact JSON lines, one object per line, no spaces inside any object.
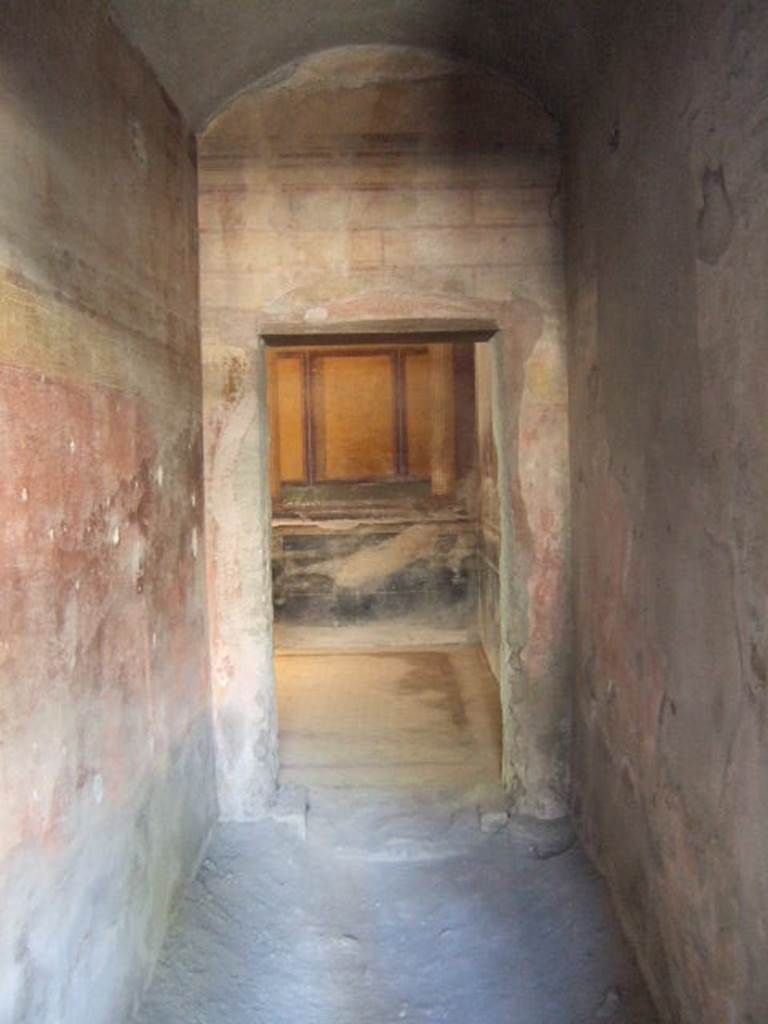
{"x":667,"y":256}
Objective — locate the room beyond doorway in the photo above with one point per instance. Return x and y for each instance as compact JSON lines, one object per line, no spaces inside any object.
{"x":373,"y":475}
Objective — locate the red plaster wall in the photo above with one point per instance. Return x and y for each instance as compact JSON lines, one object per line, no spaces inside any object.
{"x":105,"y":767}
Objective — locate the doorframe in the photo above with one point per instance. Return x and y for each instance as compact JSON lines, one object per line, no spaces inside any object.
{"x":529,"y":429}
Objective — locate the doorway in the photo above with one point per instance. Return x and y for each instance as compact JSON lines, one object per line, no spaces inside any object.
{"x":374,"y":479}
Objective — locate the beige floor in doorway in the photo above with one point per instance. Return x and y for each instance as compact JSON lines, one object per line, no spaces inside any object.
{"x":388,"y":719}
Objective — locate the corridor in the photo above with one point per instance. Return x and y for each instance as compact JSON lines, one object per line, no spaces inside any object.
{"x":396,"y":906}
{"x":383,"y":534}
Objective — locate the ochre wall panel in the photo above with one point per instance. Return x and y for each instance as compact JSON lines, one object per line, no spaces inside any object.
{"x":443,"y":461}
{"x":290,"y":418}
{"x":355,"y":410}
{"x":417,"y":418}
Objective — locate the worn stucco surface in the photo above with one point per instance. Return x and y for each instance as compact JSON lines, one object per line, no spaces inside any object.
{"x":105,"y":747}
{"x":668,"y":250}
{"x":374,"y":184}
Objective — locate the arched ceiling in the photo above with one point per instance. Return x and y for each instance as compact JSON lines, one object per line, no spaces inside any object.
{"x":206,"y":51}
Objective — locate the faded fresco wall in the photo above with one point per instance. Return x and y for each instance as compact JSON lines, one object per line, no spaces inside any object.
{"x":414,"y":577}
{"x":379,"y":185}
{"x":105,"y":751}
{"x":668,"y":250}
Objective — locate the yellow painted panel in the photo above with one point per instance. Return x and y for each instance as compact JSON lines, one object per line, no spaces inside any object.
{"x":355,"y":416}
{"x":290,"y":415}
{"x":418,"y":423}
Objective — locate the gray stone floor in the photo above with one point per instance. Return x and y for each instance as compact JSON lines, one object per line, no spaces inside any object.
{"x":396,"y":907}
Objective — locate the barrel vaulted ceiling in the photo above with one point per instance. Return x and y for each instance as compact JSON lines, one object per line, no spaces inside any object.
{"x":206,"y":51}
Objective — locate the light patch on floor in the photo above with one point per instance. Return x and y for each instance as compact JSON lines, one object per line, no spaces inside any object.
{"x":397,"y":634}
{"x":388,"y":719}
